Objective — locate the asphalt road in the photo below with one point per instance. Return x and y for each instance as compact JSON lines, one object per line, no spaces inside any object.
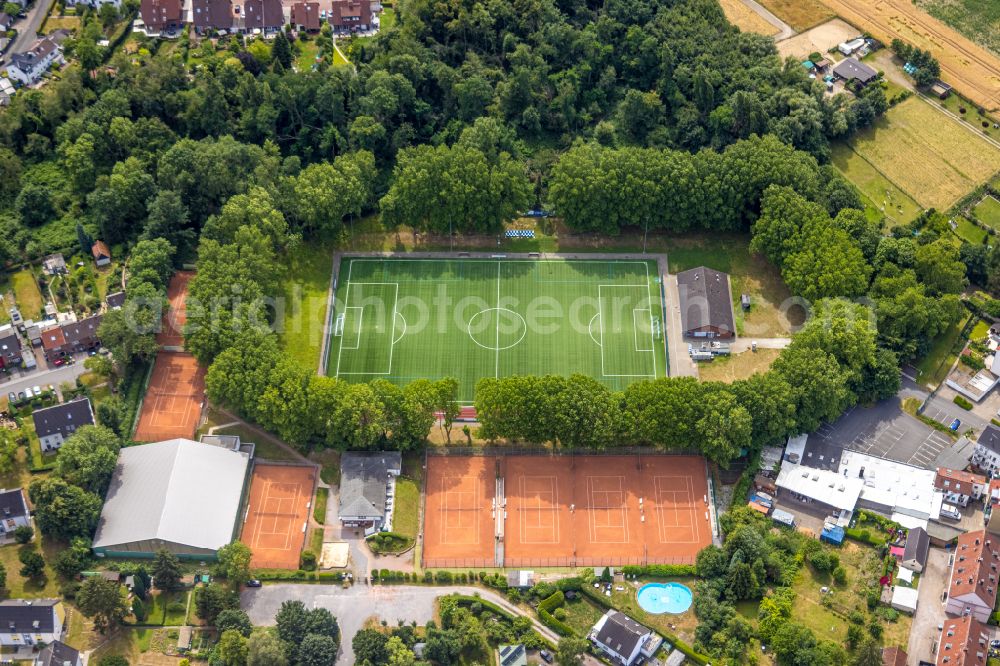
{"x":27,"y":29}
{"x":44,"y":377}
{"x":355,"y":605}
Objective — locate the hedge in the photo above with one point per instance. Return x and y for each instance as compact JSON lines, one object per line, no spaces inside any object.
{"x":661,"y":570}
{"x":864,"y":535}
{"x":962,"y":402}
{"x":554,"y":601}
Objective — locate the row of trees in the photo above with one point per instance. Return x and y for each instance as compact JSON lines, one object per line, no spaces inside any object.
{"x":832,"y":364}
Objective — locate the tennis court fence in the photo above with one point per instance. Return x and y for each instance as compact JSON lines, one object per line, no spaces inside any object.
{"x":551,"y":562}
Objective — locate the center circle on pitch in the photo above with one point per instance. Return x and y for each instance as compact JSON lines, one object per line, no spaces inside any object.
{"x":497,"y":328}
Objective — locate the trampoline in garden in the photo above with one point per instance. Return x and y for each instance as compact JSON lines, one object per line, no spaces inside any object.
{"x":659,"y":598}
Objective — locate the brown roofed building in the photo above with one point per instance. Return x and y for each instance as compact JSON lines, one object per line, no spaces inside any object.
{"x":893,"y":656}
{"x":974,"y":576}
{"x":82,"y":335}
{"x":53,"y":342}
{"x":305,"y":16}
{"x":161,"y":15}
{"x":959,"y":486}
{"x":351,"y":15}
{"x":964,"y":642}
{"x":101,"y":252}
{"x":212,"y":15}
{"x":263,"y":15}
{"x":706,"y":303}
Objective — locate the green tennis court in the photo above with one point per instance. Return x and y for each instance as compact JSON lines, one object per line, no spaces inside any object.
{"x":407,"y":319}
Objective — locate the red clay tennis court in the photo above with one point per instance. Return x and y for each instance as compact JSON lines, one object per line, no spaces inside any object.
{"x":277,"y":513}
{"x":172,"y":406}
{"x":565,"y":511}
{"x":172,"y":326}
{"x":459,"y":516}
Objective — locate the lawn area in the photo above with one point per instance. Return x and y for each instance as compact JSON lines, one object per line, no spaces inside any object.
{"x":969,"y":232}
{"x":20,"y":587}
{"x":988,"y":212}
{"x":329,"y":462}
{"x":972,"y":116}
{"x":306,"y":287}
{"x":319,"y":508}
{"x":54,"y":23}
{"x":308,"y":50}
{"x":748,"y":274}
{"x":264,"y":447}
{"x":880,"y":194}
{"x":27,"y":295}
{"x":953,"y":161}
{"x":316,"y":541}
{"x":682,"y":625}
{"x":934,"y":366}
{"x":159,"y":613}
{"x":800,"y":14}
{"x":387,"y":19}
{"x":339,"y":59}
{"x":405,"y":515}
{"x":863,"y":567}
{"x":582,"y":614}
{"x":738,"y":366}
{"x":979,"y":331}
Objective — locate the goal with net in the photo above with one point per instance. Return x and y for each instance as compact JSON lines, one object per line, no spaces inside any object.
{"x":338,"y":325}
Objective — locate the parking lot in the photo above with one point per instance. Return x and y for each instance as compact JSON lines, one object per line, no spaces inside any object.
{"x":884,"y":431}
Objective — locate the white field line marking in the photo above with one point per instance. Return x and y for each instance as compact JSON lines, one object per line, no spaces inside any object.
{"x":600,"y":305}
{"x":357,"y":337}
{"x":635,"y":329}
{"x":392,"y":343}
{"x":496,"y":371}
{"x":347,"y":299}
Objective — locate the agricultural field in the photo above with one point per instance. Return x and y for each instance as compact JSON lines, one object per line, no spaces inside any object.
{"x":979,"y":20}
{"x":880,"y":194}
{"x":404,"y":319}
{"x":952,"y":160}
{"x":745,"y":18}
{"x":800,"y":14}
{"x":988,"y":212}
{"x":971,"y":69}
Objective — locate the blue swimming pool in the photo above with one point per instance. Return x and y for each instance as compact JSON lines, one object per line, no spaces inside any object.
{"x":658,"y":598}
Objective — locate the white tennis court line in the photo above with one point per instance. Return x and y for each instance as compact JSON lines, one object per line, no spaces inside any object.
{"x":445,"y":512}
{"x":553,"y":527}
{"x":687,"y":493}
{"x":592,"y":509}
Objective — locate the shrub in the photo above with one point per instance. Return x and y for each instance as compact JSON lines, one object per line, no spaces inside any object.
{"x":428,"y":576}
{"x":856,"y":617}
{"x":23,"y":534}
{"x":560,"y":614}
{"x":176,"y":607}
{"x":661,"y":570}
{"x":962,"y":402}
{"x":443,"y":577}
{"x":824,"y":561}
{"x":840,"y":575}
{"x":308,"y":560}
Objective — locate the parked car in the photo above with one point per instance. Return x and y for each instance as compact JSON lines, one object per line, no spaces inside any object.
{"x":546,"y":655}
{"x":37,"y":390}
{"x":954,"y":425}
{"x":12,"y":398}
{"x":20,"y":396}
{"x":950,"y":512}
{"x":58,"y":362}
{"x":253,"y":582}
{"x":995,"y":643}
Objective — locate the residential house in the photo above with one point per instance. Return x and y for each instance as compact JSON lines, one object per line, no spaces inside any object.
{"x":29,"y":66}
{"x":13,"y":511}
{"x":58,"y":654}
{"x":101,"y":252}
{"x":367,"y":482}
{"x":959,"y":487}
{"x":54,"y":424}
{"x":10,"y":347}
{"x":305,"y":16}
{"x":850,"y":69}
{"x":6,"y":20}
{"x":706,"y":303}
{"x":54,"y":264}
{"x":265,"y":16}
{"x":116,"y":300}
{"x":973,"y":587}
{"x":82,"y":335}
{"x":162,"y":15}
{"x":53,"y":342}
{"x":28,"y":622}
{"x":351,"y":15}
{"x":986,"y":455}
{"x":915,"y":552}
{"x":893,"y":656}
{"x":512,"y":655}
{"x":210,"y":15}
{"x":964,"y":642}
{"x":623,"y":639}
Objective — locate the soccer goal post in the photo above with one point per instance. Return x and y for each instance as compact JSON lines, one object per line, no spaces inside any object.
{"x":657,"y":330}
{"x":338,"y":325}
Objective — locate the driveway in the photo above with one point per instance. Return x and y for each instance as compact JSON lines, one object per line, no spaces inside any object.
{"x":681,"y":364}
{"x":27,"y":29}
{"x":334,"y":531}
{"x":355,"y":605}
{"x":930,"y":609}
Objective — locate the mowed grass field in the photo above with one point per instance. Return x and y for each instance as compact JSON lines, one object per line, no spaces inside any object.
{"x":407,"y":319}
{"x":929,"y":156}
{"x":305,"y":290}
{"x":880,"y":193}
{"x":988,"y":212}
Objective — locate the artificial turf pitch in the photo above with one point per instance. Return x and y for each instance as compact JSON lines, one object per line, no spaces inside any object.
{"x":407,"y":319}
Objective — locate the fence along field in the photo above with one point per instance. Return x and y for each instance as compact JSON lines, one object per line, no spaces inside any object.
{"x":565,"y":510}
{"x":933,"y":158}
{"x":406,"y":319}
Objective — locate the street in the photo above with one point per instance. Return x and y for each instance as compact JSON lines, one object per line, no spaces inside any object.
{"x":355,"y":605}
{"x":27,"y":29}
{"x":44,"y":377}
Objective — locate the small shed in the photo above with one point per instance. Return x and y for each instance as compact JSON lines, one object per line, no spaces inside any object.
{"x":54,"y":264}
{"x":184,"y":639}
{"x":904,"y":599}
{"x":941,"y":89}
{"x":832,"y":534}
{"x":821,"y":64}
{"x":905,"y":576}
{"x":915,"y":553}
{"x":102,"y":255}
{"x":745,"y":301}
{"x":757,"y":506}
{"x":783,"y":517}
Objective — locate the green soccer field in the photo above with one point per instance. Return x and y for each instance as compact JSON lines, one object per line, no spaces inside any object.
{"x":406,"y":319}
